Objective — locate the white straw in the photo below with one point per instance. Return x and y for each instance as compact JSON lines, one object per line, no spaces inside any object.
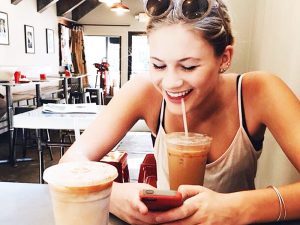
{"x":184,"y":118}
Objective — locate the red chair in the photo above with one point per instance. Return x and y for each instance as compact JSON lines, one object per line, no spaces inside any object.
{"x":148,"y":172}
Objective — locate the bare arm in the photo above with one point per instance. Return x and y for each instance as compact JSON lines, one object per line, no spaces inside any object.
{"x":279,"y":109}
{"x":133,"y":102}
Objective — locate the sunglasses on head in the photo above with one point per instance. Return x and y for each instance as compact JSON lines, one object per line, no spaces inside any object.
{"x":189,"y":9}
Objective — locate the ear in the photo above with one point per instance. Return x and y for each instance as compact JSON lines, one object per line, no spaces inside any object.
{"x":226,"y":57}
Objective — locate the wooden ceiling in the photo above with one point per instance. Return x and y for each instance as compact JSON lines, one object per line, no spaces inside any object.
{"x":70,"y":9}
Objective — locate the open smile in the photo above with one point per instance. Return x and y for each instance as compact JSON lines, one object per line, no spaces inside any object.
{"x":176,"y":97}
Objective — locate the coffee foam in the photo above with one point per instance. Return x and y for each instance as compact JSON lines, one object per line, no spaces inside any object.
{"x":193,"y":139}
{"x":82,"y":176}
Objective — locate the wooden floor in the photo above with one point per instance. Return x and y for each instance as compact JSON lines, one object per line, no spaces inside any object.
{"x":136,"y":144}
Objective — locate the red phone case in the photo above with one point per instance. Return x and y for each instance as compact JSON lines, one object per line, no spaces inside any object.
{"x":160,"y":200}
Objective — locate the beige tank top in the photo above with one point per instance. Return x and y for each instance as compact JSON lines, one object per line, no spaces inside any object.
{"x":234,"y":171}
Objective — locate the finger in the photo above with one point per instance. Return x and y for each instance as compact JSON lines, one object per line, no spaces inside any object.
{"x":188,"y":191}
{"x":192,"y":220}
{"x":138,"y":205}
{"x":186,"y":210}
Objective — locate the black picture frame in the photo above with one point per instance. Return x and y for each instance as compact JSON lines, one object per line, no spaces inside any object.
{"x":50,"y":41}
{"x":29,"y":39}
{"x":4,"y":29}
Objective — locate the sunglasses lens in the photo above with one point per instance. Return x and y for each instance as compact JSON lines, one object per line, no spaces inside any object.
{"x":193,"y":9}
{"x":157,"y":7}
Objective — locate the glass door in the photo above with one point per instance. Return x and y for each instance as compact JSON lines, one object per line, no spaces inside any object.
{"x":138,"y":53}
{"x":99,"y":49}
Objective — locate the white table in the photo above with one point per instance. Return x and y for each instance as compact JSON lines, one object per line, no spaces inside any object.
{"x":30,"y":204}
{"x":38,"y":120}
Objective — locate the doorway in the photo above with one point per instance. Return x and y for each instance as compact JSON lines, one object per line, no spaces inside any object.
{"x":138,"y":53}
{"x":103,"y":48}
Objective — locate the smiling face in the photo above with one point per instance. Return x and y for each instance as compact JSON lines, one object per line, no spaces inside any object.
{"x":182,"y":65}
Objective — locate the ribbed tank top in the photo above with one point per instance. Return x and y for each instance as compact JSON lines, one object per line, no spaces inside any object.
{"x":234,"y":171}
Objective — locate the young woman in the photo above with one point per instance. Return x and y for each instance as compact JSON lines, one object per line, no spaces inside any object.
{"x":190,"y":50}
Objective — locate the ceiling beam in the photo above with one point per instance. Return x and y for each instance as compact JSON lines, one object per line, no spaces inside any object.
{"x":15,"y":2}
{"x":66,"y":6}
{"x":84,"y":9}
{"x":42,"y":5}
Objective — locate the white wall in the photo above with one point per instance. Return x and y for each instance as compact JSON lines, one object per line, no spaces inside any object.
{"x":276,"y":48}
{"x":26,"y":13}
{"x":242,"y":15}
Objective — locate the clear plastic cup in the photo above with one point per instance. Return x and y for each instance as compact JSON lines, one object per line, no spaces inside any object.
{"x":80,"y":192}
{"x":187,"y":157}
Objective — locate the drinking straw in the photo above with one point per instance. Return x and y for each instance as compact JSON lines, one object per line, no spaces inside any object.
{"x":186,"y":132}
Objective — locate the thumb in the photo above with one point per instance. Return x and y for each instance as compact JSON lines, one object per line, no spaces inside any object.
{"x":188,"y":191}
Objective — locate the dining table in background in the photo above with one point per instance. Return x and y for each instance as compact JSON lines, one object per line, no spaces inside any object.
{"x":78,"y":77}
{"x":10,"y":113}
{"x":36,"y":119}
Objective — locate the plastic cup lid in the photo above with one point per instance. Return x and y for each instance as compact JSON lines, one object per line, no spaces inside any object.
{"x":80,"y":174}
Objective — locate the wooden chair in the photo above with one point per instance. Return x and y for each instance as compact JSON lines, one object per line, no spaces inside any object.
{"x":148,"y":172}
{"x":118,"y":159}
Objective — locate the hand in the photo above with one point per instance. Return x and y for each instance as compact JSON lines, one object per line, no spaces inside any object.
{"x":125,"y":203}
{"x":202,"y":206}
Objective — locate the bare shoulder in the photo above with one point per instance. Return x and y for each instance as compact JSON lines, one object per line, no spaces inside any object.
{"x":267,"y":94}
{"x":140,"y":98}
{"x":264,"y":85}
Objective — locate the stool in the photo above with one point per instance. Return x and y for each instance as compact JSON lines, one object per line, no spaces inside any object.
{"x":148,"y":172}
{"x":97,"y":94}
{"x":79,"y":97}
{"x":119,"y":160}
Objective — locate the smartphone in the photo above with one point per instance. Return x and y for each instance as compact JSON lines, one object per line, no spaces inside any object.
{"x":160,"y":200}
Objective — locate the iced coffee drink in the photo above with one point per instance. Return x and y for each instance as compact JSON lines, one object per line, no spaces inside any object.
{"x":80,"y":192}
{"x":187,"y":156}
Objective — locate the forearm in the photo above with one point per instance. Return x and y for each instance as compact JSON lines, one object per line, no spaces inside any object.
{"x":263,"y":205}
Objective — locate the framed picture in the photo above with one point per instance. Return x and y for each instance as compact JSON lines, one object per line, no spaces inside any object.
{"x":4,"y":34}
{"x":50,"y":40}
{"x":29,"y":39}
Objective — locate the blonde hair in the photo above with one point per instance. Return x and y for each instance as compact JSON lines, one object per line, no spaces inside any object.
{"x":215,"y":27}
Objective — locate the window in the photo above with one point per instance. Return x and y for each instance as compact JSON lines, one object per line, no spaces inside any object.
{"x":138,"y":53}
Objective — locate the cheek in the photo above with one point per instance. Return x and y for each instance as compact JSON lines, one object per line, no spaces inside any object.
{"x":156,"y":79}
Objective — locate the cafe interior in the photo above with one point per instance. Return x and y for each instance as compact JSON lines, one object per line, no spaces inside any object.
{"x":61,"y":52}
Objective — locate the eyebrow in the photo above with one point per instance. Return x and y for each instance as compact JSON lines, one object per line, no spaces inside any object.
{"x":181,"y":60}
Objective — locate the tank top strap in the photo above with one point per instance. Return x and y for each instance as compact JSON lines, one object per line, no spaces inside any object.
{"x":240,"y":104}
{"x":162,"y":113}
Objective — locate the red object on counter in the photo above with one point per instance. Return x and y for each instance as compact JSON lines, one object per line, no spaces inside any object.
{"x":17,"y":76}
{"x":43,"y":76}
{"x":67,"y":73}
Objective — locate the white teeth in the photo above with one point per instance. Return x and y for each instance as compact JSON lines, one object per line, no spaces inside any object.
{"x":178,"y":94}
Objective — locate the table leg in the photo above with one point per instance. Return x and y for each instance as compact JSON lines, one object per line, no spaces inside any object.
{"x":41,"y":156}
{"x":66,"y":89}
{"x":10,"y":114}
{"x":38,"y":95}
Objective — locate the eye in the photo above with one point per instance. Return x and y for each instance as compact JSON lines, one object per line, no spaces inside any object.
{"x":158,"y":67}
{"x":189,"y":68}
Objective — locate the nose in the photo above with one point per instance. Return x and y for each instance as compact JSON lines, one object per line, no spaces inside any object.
{"x":171,"y":81}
